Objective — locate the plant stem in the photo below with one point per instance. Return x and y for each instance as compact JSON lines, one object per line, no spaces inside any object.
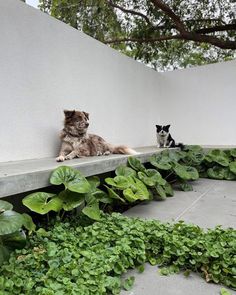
{"x":172,"y":181}
{"x":62,"y":215}
{"x":169,"y":175}
{"x":48,"y":218}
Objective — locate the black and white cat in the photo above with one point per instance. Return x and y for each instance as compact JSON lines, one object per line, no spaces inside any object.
{"x":164,"y":139}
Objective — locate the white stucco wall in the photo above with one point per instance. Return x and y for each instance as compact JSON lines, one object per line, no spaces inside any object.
{"x":47,"y":66}
{"x":200,"y":103}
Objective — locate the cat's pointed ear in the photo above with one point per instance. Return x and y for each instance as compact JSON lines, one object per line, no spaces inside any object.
{"x":86,"y":115}
{"x":167,"y":126}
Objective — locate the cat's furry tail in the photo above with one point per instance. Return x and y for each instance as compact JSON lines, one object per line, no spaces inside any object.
{"x":122,"y":149}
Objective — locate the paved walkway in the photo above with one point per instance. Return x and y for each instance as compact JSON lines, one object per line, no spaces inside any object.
{"x":212,"y":202}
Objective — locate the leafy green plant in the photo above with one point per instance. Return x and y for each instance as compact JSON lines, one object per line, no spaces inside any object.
{"x":72,"y":259}
{"x":223,"y":291}
{"x":193,"y":162}
{"x":136,"y":183}
{"x":220,"y":164}
{"x":78,"y":191}
{"x":127,"y":189}
{"x":12,"y":235}
{"x":177,"y":165}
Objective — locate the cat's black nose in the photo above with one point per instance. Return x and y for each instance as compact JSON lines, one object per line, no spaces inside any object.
{"x":86,"y":124}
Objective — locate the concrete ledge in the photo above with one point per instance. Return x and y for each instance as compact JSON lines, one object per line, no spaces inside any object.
{"x":22,"y":176}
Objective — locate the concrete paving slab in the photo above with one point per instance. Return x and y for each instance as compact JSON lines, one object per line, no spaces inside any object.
{"x":211,"y":203}
{"x":150,"y":282}
{"x":218,"y":206}
{"x":173,"y":207}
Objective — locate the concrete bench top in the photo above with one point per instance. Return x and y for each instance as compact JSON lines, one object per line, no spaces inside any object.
{"x":27,"y":175}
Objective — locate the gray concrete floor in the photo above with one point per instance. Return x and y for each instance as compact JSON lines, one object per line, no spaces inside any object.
{"x":211,"y":203}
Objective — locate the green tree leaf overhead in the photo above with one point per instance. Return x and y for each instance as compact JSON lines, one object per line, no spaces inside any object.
{"x":164,"y":34}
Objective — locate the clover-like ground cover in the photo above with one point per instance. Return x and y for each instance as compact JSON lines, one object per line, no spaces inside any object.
{"x":69,"y":258}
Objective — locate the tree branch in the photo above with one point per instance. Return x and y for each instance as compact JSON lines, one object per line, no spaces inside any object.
{"x":216,"y":29}
{"x":223,"y":44}
{"x":167,"y":10}
{"x":192,"y":36}
{"x":146,"y":40}
{"x":130,"y":11}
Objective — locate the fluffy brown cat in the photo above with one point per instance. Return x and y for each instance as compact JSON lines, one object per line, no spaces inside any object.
{"x":76,"y":142}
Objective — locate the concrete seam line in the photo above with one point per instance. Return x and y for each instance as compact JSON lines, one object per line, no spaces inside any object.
{"x":189,"y":207}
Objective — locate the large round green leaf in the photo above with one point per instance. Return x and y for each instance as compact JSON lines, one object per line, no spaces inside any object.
{"x":130,"y":196}
{"x":71,"y":178}
{"x":168,"y":189}
{"x":218,"y":156}
{"x":216,"y":172}
{"x":123,"y":170}
{"x":10,"y":242}
{"x":114,"y":195}
{"x":232,"y":167}
{"x":192,"y":172}
{"x":193,"y":148}
{"x":186,"y":187}
{"x":154,"y":174}
{"x":71,"y":200}
{"x":16,"y":240}
{"x":162,"y":163}
{"x":42,"y":202}
{"x":233,"y":152}
{"x":135,"y":164}
{"x":10,"y":221}
{"x":186,"y":172}
{"x":119,"y":182}
{"x":175,"y":155}
{"x":151,"y":177}
{"x":102,"y":196}
{"x":4,"y":205}
{"x":92,"y":211}
{"x":208,"y":159}
{"x":161,"y":192}
{"x":229,"y":175}
{"x":136,"y":191}
{"x":147,"y":180}
{"x":28,"y":222}
{"x":194,"y":158}
{"x":4,"y":253}
{"x":94,"y":182}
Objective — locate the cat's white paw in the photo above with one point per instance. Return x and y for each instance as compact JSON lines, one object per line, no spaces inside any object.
{"x":60,"y":159}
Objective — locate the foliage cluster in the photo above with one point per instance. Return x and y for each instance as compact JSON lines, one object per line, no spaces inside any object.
{"x":78,"y":191}
{"x":219,"y":164}
{"x":74,"y":259}
{"x":133,"y":183}
{"x":137,"y":183}
{"x":192,"y":162}
{"x":163,"y":34}
{"x":12,"y":235}
{"x":71,"y":258}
